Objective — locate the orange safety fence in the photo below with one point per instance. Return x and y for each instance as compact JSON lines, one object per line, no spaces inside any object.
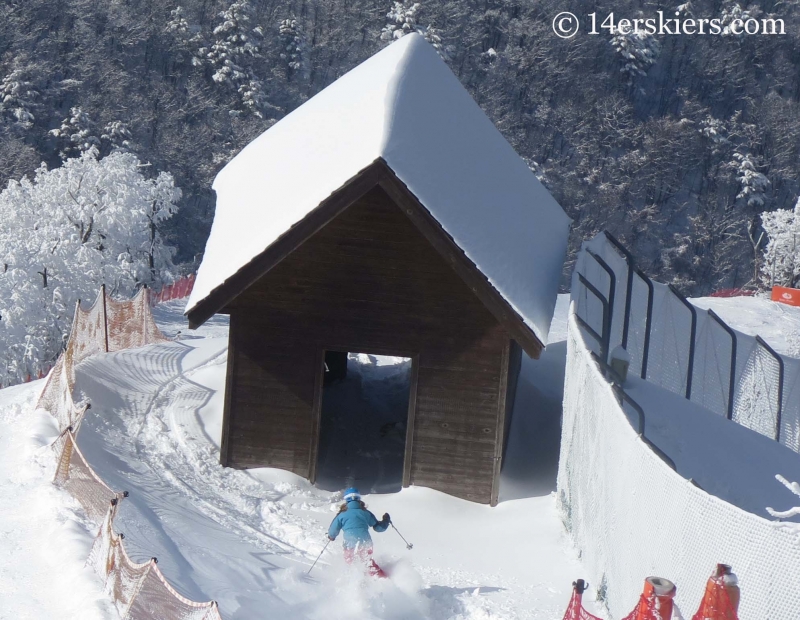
{"x":108,"y":325}
{"x":139,"y":591}
{"x":179,"y":289}
{"x":74,"y":474}
{"x":575,"y":610}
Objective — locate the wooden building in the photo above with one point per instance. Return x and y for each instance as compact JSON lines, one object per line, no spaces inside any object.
{"x":398,"y":232}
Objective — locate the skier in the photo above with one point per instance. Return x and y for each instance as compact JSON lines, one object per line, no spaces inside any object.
{"x":355,"y":520}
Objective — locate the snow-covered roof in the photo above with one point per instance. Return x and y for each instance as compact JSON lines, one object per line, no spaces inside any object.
{"x":403,"y":105}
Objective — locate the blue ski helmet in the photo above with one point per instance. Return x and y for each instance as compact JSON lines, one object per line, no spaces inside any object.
{"x":351,"y":494}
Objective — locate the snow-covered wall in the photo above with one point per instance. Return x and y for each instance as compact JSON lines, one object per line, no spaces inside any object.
{"x":632,"y":516}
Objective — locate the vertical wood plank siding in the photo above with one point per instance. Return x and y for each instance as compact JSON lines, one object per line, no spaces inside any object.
{"x":368,"y":281}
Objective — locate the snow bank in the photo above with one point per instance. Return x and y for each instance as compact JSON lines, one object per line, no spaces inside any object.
{"x":44,"y":538}
{"x":631,"y":516}
{"x":405,"y":106}
{"x":776,"y":323}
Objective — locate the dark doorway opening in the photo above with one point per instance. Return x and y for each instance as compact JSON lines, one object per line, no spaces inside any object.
{"x":364,"y":420}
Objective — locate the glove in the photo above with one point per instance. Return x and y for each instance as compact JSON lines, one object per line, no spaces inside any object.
{"x":386,"y":518}
{"x":331,"y":537}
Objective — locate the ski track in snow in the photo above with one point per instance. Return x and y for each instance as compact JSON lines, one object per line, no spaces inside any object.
{"x":246,"y":538}
{"x":175,"y":469}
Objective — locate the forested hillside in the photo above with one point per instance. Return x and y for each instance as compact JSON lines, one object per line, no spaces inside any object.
{"x":674,"y":143}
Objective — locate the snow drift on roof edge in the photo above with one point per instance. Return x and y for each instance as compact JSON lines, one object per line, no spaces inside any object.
{"x":405,"y":105}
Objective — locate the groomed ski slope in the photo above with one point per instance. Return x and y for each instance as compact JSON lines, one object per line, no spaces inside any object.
{"x":247,"y":538}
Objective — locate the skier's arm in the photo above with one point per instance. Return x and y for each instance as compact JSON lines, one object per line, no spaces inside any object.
{"x":379,"y":526}
{"x":335,"y":528}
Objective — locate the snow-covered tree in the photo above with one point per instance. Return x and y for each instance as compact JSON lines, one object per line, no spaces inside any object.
{"x":235,"y":40}
{"x":18,"y":98}
{"x":794,"y":487}
{"x":64,"y":233}
{"x":639,"y":51}
{"x":230,"y":56}
{"x":177,"y":24}
{"x":753,"y":184}
{"x":76,"y":134}
{"x":781,"y":263}
{"x":294,"y":48}
{"x":404,"y":19}
{"x":116,"y":134}
{"x":733,"y":11}
{"x":714,"y":129}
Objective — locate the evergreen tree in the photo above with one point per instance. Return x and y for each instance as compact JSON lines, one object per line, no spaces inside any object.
{"x":76,"y":134}
{"x":295,"y":49}
{"x":18,"y":98}
{"x":231,"y":56}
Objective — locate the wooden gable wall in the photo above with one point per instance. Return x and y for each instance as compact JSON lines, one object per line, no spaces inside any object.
{"x":370,"y":282}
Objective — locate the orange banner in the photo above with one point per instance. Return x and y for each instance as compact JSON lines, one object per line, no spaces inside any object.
{"x":785,"y":295}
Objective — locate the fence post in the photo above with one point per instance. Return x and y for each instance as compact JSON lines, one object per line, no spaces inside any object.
{"x":648,"y":321}
{"x":778,"y":359}
{"x":608,"y":317}
{"x":145,"y":310}
{"x":105,"y":314}
{"x":692,"y":334}
{"x":732,"y":382}
{"x":605,"y":336}
{"x":628,"y":286}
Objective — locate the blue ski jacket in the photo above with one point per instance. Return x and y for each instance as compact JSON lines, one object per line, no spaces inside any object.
{"x":355,"y":523}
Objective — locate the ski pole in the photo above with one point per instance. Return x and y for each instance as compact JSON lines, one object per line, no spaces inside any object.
{"x":319,"y":556}
{"x":408,"y":544}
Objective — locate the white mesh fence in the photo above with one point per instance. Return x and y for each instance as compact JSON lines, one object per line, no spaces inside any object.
{"x":757,"y":402}
{"x":790,"y":418}
{"x":666,"y":348}
{"x":630,"y":515}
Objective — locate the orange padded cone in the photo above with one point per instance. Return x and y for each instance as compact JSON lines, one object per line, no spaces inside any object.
{"x":659,"y":594}
{"x":721,"y":599}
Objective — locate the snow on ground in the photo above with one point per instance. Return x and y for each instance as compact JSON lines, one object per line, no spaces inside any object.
{"x":247,"y":538}
{"x":778,"y":324}
{"x":530,"y":465}
{"x":44,"y":539}
{"x":366,"y":412}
